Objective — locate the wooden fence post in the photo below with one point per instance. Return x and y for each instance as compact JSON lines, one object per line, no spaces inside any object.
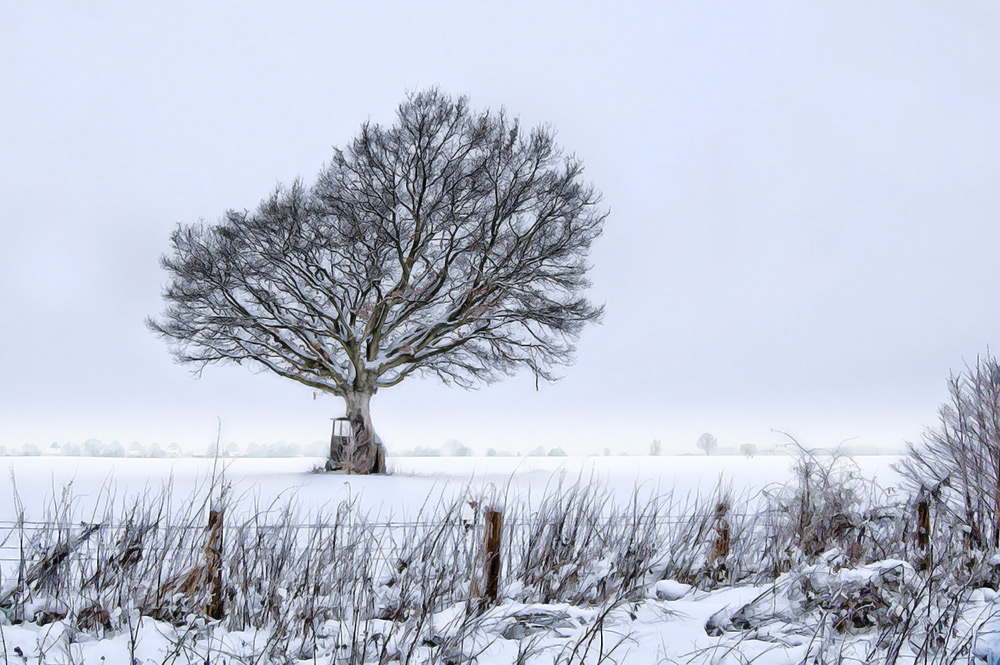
{"x":213,"y":563}
{"x":491,"y":558}
{"x":923,"y":530}
{"x":720,"y":545}
{"x":923,"y":523}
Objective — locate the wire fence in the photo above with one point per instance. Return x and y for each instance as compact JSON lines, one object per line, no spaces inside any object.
{"x":24,"y":540}
{"x":7,"y":525}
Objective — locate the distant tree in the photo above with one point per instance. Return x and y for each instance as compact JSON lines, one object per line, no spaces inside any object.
{"x":748,"y":449}
{"x":656,"y":447}
{"x":211,"y":449}
{"x":71,"y":449}
{"x":316,"y":449}
{"x":283,"y":449}
{"x":959,"y":458}
{"x":451,"y":244}
{"x":708,"y":443}
{"x":455,"y":448}
{"x":113,"y":449}
{"x":557,"y":452}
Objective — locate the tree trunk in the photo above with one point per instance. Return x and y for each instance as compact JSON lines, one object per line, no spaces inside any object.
{"x":359,"y":455}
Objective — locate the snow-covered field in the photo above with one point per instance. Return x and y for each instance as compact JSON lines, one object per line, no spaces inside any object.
{"x":415,"y":481}
{"x":584,"y":608}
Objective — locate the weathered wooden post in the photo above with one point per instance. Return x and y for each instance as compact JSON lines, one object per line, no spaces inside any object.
{"x":720,"y":548}
{"x":720,"y":545}
{"x":213,"y":562}
{"x":923,"y":523}
{"x":923,"y":530}
{"x":491,"y":559}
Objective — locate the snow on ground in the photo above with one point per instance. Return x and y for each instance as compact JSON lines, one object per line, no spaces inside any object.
{"x":415,"y":483}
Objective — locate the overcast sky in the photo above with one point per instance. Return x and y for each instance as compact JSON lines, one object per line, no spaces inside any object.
{"x":803,"y":231}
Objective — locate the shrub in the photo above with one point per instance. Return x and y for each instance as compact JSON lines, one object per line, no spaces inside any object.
{"x":958,"y":460}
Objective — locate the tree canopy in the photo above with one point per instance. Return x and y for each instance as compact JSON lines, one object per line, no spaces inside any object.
{"x":452,"y":243}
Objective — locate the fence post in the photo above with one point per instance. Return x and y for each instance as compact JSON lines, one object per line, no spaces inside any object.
{"x":213,"y":563}
{"x":923,"y":522}
{"x":923,"y":529}
{"x":491,"y":558}
{"x":720,"y":545}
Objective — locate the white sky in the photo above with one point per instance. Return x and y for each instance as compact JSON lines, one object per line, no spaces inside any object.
{"x":803,"y":230}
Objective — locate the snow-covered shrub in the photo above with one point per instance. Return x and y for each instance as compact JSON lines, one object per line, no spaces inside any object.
{"x":130,"y":557}
{"x":579,"y":547}
{"x":958,"y":461}
{"x":885,"y":612}
{"x":871,"y":595}
{"x":828,"y":505}
{"x":691,"y":545}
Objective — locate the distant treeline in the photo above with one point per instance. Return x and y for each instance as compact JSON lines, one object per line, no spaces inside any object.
{"x":451,"y":448}
{"x":97,"y":448}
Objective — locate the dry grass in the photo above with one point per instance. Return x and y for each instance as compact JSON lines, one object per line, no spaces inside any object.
{"x":342,"y":582}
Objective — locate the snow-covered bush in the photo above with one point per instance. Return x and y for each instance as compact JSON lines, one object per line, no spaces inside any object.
{"x":579,"y":547}
{"x":957,"y":461}
{"x":866,"y":596}
{"x":828,"y":505}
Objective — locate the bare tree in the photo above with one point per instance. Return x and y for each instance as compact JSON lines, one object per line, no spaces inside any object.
{"x":959,"y":459}
{"x":452,"y":244}
{"x":748,"y":449}
{"x":708,"y":443}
